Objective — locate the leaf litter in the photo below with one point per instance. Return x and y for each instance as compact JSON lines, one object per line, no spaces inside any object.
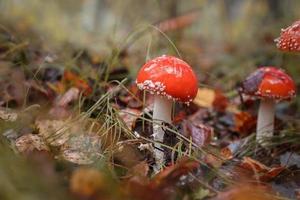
{"x":97,"y":130}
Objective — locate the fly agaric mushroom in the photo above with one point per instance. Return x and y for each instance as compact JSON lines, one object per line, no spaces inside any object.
{"x":168,"y":79}
{"x":270,"y":84}
{"x":289,"y":39}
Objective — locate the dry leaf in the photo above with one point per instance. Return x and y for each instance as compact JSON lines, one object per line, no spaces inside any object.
{"x":170,"y":175}
{"x":87,"y":182}
{"x":82,"y":149}
{"x":210,"y":98}
{"x":8,"y":115}
{"x":55,"y":132}
{"x":263,"y":172}
{"x":205,"y":97}
{"x":71,"y":95}
{"x":244,"y":122}
{"x":228,"y":152}
{"x":76,"y":81}
{"x":30,"y":142}
{"x":129,"y":116}
{"x":246,"y":191}
{"x":177,"y":22}
{"x":201,"y":135}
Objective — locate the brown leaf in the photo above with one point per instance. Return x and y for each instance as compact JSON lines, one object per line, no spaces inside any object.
{"x":228,"y":152}
{"x":82,"y":149}
{"x":253,"y":165}
{"x":129,"y":116}
{"x":220,"y":102}
{"x":177,"y":22}
{"x":246,"y":191}
{"x":170,"y":175}
{"x":71,"y":95}
{"x":141,"y":169}
{"x":263,"y":172}
{"x":76,"y":81}
{"x":244,"y":122}
{"x":210,"y":98}
{"x":49,"y":129}
{"x":29,"y":142}
{"x":201,"y":135}
{"x":213,"y":160}
{"x":87,"y":182}
{"x":8,"y":115}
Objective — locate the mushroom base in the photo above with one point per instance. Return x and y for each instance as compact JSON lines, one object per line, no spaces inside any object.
{"x":162,"y":112}
{"x":265,"y":120}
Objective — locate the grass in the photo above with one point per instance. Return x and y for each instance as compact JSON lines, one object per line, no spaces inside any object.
{"x":233,"y":47}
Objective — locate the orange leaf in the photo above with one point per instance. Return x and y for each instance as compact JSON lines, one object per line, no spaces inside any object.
{"x":210,"y":98}
{"x":76,"y":81}
{"x":253,"y":165}
{"x":244,"y":191}
{"x":244,"y":122}
{"x":264,"y":173}
{"x":170,"y":175}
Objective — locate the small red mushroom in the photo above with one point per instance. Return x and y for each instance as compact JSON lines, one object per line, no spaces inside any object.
{"x":169,"y":79}
{"x":270,"y":84}
{"x":289,"y":39}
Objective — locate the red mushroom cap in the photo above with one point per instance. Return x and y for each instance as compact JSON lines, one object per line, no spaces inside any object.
{"x":270,"y":82}
{"x":289,"y":39}
{"x":170,"y":77}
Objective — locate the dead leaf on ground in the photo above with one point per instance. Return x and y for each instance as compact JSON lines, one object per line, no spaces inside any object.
{"x":201,"y":134}
{"x":8,"y":115}
{"x":29,"y":142}
{"x":55,"y":132}
{"x":162,"y":185}
{"x":170,"y":175}
{"x":71,"y":95}
{"x":260,"y":170}
{"x":82,"y":149}
{"x":210,"y":98}
{"x":78,"y":82}
{"x":245,"y":123}
{"x":129,"y":116}
{"x":228,"y":152}
{"x":87,"y":182}
{"x":246,"y":191}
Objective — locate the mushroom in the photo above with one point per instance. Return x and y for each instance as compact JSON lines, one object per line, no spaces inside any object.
{"x":289,"y":39}
{"x":169,"y":79}
{"x":270,"y":84}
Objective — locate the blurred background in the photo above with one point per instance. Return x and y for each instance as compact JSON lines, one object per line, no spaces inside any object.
{"x":222,"y":39}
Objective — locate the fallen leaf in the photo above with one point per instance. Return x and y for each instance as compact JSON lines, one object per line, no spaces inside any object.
{"x":171,"y":174}
{"x":76,"y":81}
{"x":87,"y":182}
{"x":228,"y":152}
{"x":162,"y":185}
{"x":82,"y":149}
{"x":177,"y":22}
{"x":245,"y":123}
{"x":260,"y":170}
{"x":201,"y":134}
{"x":210,"y":98}
{"x":55,"y":132}
{"x":71,"y":95}
{"x":8,"y":115}
{"x":129,"y":116}
{"x":246,"y":191}
{"x":29,"y":142}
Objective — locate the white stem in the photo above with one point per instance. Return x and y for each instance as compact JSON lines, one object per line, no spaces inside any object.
{"x":265,"y":119}
{"x":162,"y":113}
